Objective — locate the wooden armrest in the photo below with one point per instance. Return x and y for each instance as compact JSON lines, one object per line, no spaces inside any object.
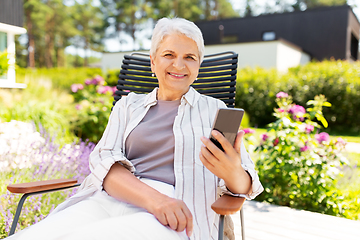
{"x":31,"y":187}
{"x":226,"y":204}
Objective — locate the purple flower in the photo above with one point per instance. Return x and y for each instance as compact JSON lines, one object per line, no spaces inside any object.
{"x":264,"y":137}
{"x":76,"y":86}
{"x":297,"y":112}
{"x":304,"y":148}
{"x":282,"y":95}
{"x":248,"y":131}
{"x":322,"y":137}
{"x":309,"y":128}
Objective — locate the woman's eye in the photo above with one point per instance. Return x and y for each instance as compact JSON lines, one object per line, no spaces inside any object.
{"x":168,"y":55}
{"x":190,"y":57}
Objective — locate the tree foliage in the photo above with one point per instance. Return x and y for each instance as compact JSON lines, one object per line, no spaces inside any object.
{"x":52,"y":25}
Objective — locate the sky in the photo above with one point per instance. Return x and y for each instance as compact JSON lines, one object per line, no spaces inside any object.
{"x":113,"y":45}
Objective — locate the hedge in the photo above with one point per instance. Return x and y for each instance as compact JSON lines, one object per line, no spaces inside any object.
{"x":338,"y":80}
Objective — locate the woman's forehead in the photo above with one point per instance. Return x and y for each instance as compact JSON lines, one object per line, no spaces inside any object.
{"x":175,"y":42}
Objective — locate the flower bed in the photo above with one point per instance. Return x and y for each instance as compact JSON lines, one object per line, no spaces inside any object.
{"x":27,"y":155}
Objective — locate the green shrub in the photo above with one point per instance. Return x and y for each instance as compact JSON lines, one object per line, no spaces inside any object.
{"x":4,"y":65}
{"x":112,"y":77}
{"x":339,"y":81}
{"x":41,"y":104}
{"x":296,"y":168}
{"x":93,"y":104}
{"x":60,"y":77}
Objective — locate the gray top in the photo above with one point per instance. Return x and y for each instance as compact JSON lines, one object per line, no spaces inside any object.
{"x":150,"y":146}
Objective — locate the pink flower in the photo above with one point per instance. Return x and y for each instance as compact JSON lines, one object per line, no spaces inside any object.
{"x":280,"y":110}
{"x":322,"y":137}
{"x":78,"y":107}
{"x":114,"y":89}
{"x":309,"y":128}
{"x":282,"y":95}
{"x":248,"y":131}
{"x":264,"y":137}
{"x":297,"y":112}
{"x":98,"y":80}
{"x":105,"y":89}
{"x":304,"y":148}
{"x":276,"y":142}
{"x":88,"y":81}
{"x":76,"y":86}
{"x":341,"y":142}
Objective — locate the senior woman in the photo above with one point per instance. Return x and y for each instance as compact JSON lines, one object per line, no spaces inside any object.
{"x":155,"y":173}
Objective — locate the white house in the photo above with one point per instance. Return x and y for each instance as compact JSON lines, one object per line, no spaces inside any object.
{"x":11,"y":18}
{"x":278,"y":54}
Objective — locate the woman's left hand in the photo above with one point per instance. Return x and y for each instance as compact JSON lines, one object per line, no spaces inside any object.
{"x":226,"y":165}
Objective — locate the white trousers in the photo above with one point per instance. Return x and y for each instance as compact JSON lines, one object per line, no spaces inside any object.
{"x":103,"y":217}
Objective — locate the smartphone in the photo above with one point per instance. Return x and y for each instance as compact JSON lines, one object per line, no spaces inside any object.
{"x":227,"y":122}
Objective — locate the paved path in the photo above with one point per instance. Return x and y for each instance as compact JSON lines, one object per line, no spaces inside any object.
{"x":353,"y":147}
{"x":268,"y":222}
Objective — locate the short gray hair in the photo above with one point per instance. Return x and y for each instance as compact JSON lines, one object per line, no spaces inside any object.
{"x":168,"y":26}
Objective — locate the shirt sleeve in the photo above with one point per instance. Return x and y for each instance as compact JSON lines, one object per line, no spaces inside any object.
{"x":109,"y":150}
{"x":248,"y":166}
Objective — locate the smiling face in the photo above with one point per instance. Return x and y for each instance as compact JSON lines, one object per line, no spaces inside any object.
{"x":176,"y":65}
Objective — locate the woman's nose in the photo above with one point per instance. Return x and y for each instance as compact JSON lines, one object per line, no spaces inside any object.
{"x":179,"y":63}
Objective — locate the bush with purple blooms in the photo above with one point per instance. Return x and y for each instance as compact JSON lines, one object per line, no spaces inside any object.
{"x":27,"y":156}
{"x":297,"y":164}
{"x":93,"y":101}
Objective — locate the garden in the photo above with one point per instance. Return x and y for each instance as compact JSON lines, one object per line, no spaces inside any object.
{"x":297,"y":125}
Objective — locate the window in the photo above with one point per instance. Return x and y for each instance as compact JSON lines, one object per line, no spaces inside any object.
{"x":3,"y":41}
{"x":229,"y":39}
{"x":268,"y":36}
{"x":354,"y":48}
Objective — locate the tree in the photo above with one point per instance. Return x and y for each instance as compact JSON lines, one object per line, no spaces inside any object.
{"x":126,"y":15}
{"x":317,"y":3}
{"x":35,"y":12}
{"x":90,"y":25}
{"x":130,"y":16}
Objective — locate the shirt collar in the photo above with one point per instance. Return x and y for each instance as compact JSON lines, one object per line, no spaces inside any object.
{"x":191,"y":97}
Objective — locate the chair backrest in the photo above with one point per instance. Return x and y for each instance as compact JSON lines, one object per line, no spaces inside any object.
{"x":217,"y":76}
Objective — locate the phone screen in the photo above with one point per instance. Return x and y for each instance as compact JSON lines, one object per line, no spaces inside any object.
{"x":227,"y":122}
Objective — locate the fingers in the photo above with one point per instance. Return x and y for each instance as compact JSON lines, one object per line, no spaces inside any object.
{"x":238,"y":140}
{"x":175,"y":214}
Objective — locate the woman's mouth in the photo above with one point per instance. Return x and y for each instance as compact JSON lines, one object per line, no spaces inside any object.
{"x":177,"y":75}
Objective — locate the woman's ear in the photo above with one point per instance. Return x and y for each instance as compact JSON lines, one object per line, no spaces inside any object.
{"x":152,"y":64}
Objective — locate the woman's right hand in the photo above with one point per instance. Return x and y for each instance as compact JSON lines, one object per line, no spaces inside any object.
{"x":121,"y":184}
{"x":173,"y":213}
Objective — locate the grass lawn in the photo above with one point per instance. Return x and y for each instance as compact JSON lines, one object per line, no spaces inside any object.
{"x":355,"y":139}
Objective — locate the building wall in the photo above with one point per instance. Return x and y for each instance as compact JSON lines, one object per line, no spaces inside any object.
{"x":11,"y":12}
{"x":322,"y":32}
{"x":273,"y":54}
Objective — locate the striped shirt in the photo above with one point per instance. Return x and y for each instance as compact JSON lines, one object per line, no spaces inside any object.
{"x":194,"y":183}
